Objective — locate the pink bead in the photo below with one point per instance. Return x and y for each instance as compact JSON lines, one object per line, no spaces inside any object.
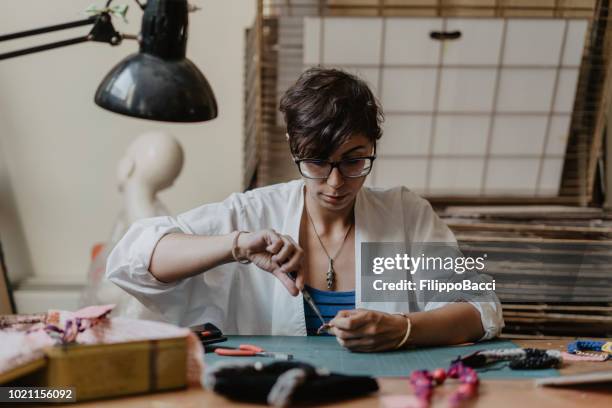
{"x":467,"y":390}
{"x":439,"y":375}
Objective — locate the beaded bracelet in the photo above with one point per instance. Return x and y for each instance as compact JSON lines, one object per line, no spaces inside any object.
{"x":579,"y":348}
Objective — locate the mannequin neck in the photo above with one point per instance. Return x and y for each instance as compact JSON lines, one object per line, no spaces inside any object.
{"x":139,"y":200}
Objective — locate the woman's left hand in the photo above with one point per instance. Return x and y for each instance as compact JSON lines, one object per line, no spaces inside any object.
{"x":368,"y":330}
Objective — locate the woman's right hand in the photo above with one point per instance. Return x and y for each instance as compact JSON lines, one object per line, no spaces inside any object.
{"x":276,"y":253}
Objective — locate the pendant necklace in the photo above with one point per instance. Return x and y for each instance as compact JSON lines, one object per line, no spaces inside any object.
{"x":331,"y":273}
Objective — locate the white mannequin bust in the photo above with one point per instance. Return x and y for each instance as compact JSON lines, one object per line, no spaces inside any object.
{"x":151,"y":164}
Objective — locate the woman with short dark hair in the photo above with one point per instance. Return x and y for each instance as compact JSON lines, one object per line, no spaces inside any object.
{"x":209,"y":264}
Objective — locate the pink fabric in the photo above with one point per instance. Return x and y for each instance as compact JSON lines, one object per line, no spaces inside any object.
{"x":94,"y":312}
{"x":70,"y":324}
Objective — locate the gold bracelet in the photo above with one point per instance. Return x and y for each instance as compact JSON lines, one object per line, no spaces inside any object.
{"x":244,"y":261}
{"x":408,"y":329}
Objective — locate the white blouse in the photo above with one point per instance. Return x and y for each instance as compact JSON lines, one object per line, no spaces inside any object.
{"x":243,"y":299}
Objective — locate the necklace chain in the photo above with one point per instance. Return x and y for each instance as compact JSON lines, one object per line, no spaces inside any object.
{"x":331,"y":273}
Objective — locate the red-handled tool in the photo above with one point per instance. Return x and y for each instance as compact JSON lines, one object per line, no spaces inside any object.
{"x":250,"y":350}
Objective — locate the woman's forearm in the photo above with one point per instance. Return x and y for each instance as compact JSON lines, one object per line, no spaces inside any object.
{"x":452,"y":324}
{"x":178,"y":256}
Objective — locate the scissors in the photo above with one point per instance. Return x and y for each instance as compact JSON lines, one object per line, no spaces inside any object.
{"x":249,"y":350}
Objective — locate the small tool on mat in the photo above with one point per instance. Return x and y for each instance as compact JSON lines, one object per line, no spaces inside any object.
{"x":249,"y":350}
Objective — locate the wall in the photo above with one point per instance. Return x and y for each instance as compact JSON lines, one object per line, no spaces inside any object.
{"x":58,"y":150}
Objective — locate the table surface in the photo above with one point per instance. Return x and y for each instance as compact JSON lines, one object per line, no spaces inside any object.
{"x":498,"y":393}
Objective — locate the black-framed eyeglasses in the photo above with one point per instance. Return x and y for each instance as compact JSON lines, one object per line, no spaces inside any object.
{"x":352,"y":167}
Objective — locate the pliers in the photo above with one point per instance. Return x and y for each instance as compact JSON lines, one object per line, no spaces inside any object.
{"x":249,"y":350}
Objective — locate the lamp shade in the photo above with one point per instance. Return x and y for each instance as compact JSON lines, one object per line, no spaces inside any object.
{"x":159,"y":82}
{"x":148,"y":87}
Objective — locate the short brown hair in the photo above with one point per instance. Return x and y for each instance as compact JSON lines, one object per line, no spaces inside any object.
{"x":324,"y":108}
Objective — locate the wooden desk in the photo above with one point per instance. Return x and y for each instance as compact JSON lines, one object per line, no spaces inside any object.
{"x":492,"y":393}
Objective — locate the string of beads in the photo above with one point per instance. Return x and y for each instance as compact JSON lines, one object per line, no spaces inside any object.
{"x":424,"y":381}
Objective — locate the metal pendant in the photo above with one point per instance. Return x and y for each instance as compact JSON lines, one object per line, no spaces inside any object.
{"x":331,"y":275}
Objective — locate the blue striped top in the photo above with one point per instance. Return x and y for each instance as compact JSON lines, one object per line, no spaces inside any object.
{"x":329,"y":303}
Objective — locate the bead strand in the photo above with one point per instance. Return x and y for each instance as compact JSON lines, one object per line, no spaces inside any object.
{"x":584,"y":345}
{"x":424,"y":381}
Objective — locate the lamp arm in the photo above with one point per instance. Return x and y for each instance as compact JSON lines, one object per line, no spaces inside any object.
{"x":102,"y":31}
{"x":57,"y":27}
{"x":44,"y":47}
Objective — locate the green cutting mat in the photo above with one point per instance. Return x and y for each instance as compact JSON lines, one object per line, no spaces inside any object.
{"x":324,"y":351}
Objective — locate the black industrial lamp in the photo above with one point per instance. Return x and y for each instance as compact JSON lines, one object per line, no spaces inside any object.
{"x":158,"y":82}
